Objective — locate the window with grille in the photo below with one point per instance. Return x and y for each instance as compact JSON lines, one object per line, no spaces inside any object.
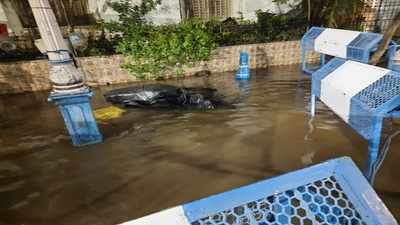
{"x":207,"y":9}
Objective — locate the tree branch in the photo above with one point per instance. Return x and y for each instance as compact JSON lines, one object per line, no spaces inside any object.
{"x":387,"y":37}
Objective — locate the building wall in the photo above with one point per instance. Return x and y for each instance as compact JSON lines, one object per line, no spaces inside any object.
{"x":207,"y":9}
{"x":8,"y":15}
{"x":83,"y":12}
{"x":28,"y":76}
{"x":166,"y":13}
{"x":3,"y":17}
{"x":17,"y":14}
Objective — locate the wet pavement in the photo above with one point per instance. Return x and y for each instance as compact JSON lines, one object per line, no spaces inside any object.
{"x":154,"y":159}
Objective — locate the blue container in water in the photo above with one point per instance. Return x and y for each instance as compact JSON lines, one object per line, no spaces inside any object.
{"x":244,"y":72}
{"x":78,"y":117}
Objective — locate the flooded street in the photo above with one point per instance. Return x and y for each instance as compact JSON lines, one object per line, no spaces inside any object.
{"x":154,"y":159}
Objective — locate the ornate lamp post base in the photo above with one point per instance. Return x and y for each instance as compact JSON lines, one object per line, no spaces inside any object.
{"x":69,"y":90}
{"x":78,"y":117}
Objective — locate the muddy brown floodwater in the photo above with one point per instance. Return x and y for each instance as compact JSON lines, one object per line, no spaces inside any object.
{"x":154,"y":159}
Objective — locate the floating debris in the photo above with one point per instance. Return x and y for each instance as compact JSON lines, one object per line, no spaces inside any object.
{"x":164,"y":96}
{"x":108,"y":113}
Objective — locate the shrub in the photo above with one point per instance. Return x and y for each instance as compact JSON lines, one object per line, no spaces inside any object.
{"x":153,"y":50}
{"x":156,"y":50}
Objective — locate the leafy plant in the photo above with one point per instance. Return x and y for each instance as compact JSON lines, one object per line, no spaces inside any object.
{"x":130,"y":14}
{"x":154,"y":50}
{"x":157,"y":49}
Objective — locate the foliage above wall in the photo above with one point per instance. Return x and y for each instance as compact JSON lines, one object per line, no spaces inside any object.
{"x":154,"y":50}
{"x":157,"y":49}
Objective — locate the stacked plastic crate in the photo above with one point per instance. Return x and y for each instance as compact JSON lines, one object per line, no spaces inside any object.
{"x":352,"y":45}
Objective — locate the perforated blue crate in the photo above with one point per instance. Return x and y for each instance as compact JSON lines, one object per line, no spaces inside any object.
{"x":375,"y":102}
{"x":367,"y":109}
{"x":308,"y":39}
{"x":307,"y":45}
{"x":334,"y":192}
{"x":395,"y":67}
{"x":359,"y":49}
{"x":393,"y":64}
{"x":324,"y":71}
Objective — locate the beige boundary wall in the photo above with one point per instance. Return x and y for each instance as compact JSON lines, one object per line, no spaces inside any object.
{"x":28,"y":76}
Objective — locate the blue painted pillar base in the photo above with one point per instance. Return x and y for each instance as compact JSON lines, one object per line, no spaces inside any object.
{"x":78,"y":117}
{"x":244,"y":72}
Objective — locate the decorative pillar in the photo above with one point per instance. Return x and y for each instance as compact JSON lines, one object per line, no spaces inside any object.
{"x":69,"y":90}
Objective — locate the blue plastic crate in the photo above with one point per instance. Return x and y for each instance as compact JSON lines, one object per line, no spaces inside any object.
{"x":380,"y":98}
{"x":359,"y":49}
{"x":393,"y":64}
{"x":308,"y":39}
{"x":334,"y":192}
{"x":323,"y":72}
{"x":368,"y":108}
